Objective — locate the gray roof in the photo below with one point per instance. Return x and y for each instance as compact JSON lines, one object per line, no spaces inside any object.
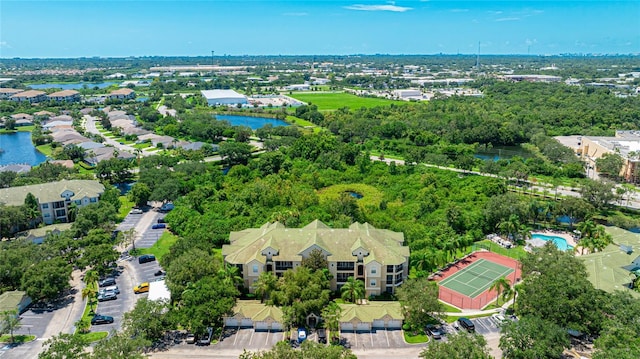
{"x":90,"y":145}
{"x":51,"y":192}
{"x":18,"y":168}
{"x":216,"y":94}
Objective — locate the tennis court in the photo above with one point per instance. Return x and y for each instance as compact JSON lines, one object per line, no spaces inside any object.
{"x":476,"y":278}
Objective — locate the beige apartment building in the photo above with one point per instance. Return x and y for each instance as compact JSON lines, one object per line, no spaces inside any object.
{"x":375,"y":256}
{"x":624,"y":143}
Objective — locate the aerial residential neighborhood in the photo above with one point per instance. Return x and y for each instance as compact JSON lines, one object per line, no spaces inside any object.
{"x":367,"y":194}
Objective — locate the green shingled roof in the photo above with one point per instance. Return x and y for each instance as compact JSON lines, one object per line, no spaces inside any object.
{"x":371,"y":311}
{"x":50,"y":192}
{"x":258,"y":312}
{"x":384,"y":246}
{"x":10,"y":300}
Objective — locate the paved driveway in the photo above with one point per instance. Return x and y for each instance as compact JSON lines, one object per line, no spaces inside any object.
{"x":125,"y":280}
{"x":486,"y":325}
{"x":150,"y":236}
{"x":250,"y":339}
{"x":376,"y":339}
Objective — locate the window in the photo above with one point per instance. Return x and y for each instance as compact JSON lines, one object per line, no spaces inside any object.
{"x":60,"y":213}
{"x":284,"y":265}
{"x":373,"y":283}
{"x":342,"y":277}
{"x":93,"y":200}
{"x":78,"y":202}
{"x":47,"y":215}
{"x":255,"y":268}
{"x":45,"y":206}
{"x":374,"y":270}
{"x":346,"y":266}
{"x":389,"y":269}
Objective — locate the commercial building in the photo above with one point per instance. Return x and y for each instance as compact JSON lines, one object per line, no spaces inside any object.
{"x":624,"y":143}
{"x":224,"y":97}
{"x":65,"y":96}
{"x":55,"y":198}
{"x":375,"y":256}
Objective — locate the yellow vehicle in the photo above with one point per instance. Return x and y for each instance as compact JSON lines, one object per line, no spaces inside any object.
{"x":142,"y":288}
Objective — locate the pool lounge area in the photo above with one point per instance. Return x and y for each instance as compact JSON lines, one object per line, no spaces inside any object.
{"x":563,"y":240}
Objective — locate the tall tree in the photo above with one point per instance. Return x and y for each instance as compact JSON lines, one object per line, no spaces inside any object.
{"x":331,"y":317}
{"x":267,"y":282}
{"x":315,"y":261}
{"x":533,"y":338}
{"x":353,"y":290}
{"x":65,"y":346}
{"x":10,"y":322}
{"x":458,"y":346}
{"x":501,"y":286}
{"x":419,"y":299}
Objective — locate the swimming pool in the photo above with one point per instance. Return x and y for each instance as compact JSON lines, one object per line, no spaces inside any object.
{"x":560,"y":242}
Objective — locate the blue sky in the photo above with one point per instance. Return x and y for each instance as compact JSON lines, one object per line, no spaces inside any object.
{"x":263,"y":27}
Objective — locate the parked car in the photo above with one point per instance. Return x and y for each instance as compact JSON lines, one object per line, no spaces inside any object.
{"x":136,"y":211}
{"x":434,"y":331}
{"x":500,"y":319}
{"x":158,"y":273}
{"x":109,"y":281}
{"x":141,"y":288}
{"x":191,"y":338}
{"x":158,"y":226}
{"x":161,"y":220}
{"x":206,"y":340}
{"x":166,"y":207}
{"x":107,"y":296}
{"x":322,"y":336}
{"x":302,"y":334}
{"x":145,"y":258}
{"x":101,"y":319}
{"x":113,"y":288}
{"x":467,"y":324}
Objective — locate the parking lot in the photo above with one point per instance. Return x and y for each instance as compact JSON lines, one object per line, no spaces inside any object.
{"x":124,"y":302}
{"x":486,"y":325}
{"x":150,"y":236}
{"x":251,"y":340}
{"x":376,"y":339}
{"x":35,"y":320}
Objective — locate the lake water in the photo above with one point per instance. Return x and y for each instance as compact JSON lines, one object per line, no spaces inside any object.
{"x":253,"y":122}
{"x":502,"y":153}
{"x":18,"y":148}
{"x":72,"y":86}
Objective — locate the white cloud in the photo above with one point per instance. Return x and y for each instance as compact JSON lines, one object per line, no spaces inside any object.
{"x":4,"y":44}
{"x":495,"y":12}
{"x":295,"y":14}
{"x":508,"y":19}
{"x":393,"y":8}
{"x":459,"y":10}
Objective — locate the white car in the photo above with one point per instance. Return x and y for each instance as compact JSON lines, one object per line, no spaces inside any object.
{"x":499,"y":319}
{"x":136,"y":211}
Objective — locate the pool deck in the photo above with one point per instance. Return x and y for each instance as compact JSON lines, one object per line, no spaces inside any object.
{"x":565,"y":235}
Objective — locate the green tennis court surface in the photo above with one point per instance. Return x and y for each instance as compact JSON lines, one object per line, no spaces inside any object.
{"x":476,"y":278}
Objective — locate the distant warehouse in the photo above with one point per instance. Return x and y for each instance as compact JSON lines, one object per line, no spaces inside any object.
{"x":224,"y":97}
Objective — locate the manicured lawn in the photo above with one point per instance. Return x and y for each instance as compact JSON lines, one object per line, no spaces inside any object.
{"x":19,"y":129}
{"x":334,"y":101}
{"x":125,"y":207}
{"x":93,"y":336}
{"x":515,"y":253}
{"x":142,"y":145}
{"x":450,"y":309}
{"x":17,"y":338}
{"x":415,"y":339}
{"x":45,"y":150}
{"x":161,"y":247}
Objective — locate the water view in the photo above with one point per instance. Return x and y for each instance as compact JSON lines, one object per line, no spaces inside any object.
{"x":17,"y":148}
{"x":71,"y":86}
{"x":253,"y":122}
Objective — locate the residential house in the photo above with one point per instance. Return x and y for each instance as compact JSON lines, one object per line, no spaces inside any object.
{"x":55,"y":198}
{"x":122,"y":94}
{"x":6,"y":92}
{"x":65,"y":96}
{"x":31,"y":96}
{"x":375,"y":256}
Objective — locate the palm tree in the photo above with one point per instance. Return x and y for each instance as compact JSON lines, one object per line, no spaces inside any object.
{"x":267,"y":282}
{"x":331,"y":316}
{"x":353,"y":290}
{"x":500,"y":285}
{"x":229,"y":275}
{"x":10,"y":322}
{"x":635,"y":282}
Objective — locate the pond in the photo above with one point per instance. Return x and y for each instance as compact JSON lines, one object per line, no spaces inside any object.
{"x":71,"y":86}
{"x":17,"y":148}
{"x":253,"y":122}
{"x":355,"y":195}
{"x":502,"y":153}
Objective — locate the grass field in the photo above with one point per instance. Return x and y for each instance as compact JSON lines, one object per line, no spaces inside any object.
{"x":45,"y":149}
{"x":19,"y":129}
{"x":334,"y":101}
{"x":161,"y":247}
{"x":476,"y":278}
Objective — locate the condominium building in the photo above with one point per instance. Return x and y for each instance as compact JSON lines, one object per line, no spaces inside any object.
{"x":375,"y":256}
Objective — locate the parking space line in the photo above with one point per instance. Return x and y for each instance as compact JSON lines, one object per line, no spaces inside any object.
{"x":386,"y":334}
{"x":266,"y":340}
{"x":251,"y":339}
{"x":235,"y":337}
